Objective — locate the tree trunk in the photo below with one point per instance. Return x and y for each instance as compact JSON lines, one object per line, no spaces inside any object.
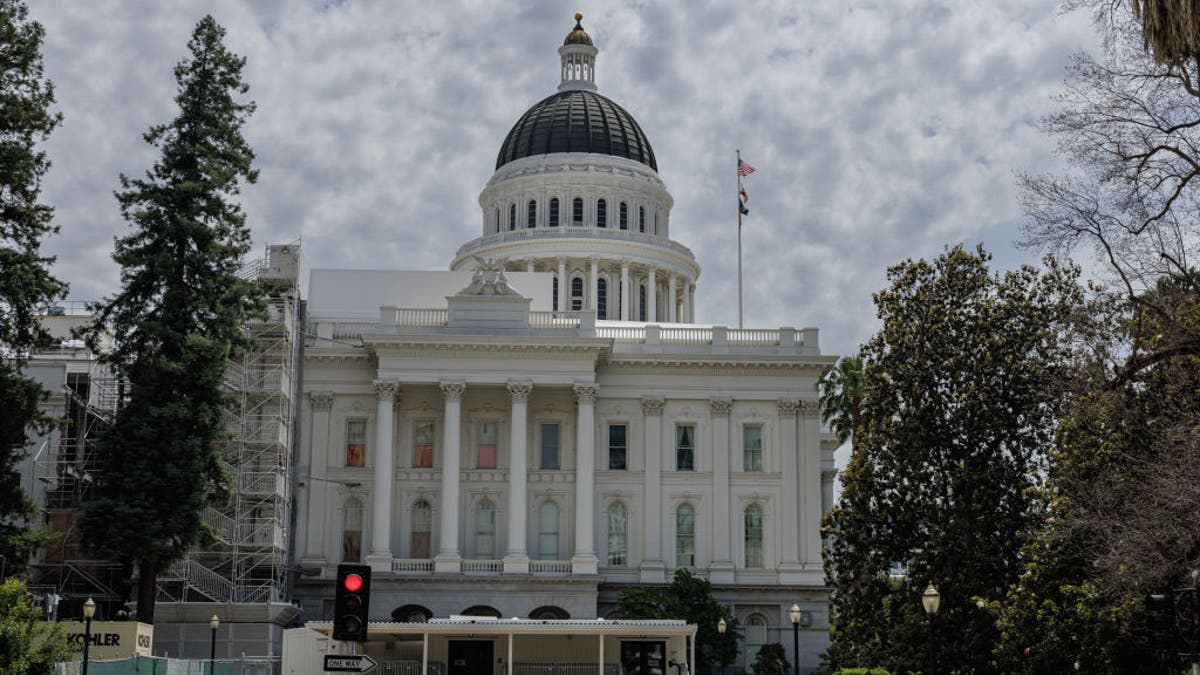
{"x":147,"y":590}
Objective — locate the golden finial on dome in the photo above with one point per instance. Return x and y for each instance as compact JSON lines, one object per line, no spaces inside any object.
{"x":578,"y":17}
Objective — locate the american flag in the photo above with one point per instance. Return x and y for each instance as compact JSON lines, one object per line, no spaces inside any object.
{"x":744,"y":168}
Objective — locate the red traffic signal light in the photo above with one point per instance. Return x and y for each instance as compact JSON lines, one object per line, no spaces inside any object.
{"x":352,"y":597}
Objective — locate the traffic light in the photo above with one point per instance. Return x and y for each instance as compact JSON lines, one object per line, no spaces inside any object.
{"x":351,"y":603}
{"x":1160,"y":621}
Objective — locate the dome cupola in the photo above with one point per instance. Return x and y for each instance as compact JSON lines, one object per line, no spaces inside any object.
{"x":578,"y":57}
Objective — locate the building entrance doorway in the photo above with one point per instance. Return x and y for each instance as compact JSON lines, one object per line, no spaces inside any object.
{"x":644,"y":658}
{"x":470,"y":657}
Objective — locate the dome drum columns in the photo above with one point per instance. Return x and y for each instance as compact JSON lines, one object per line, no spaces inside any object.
{"x":623,"y":281}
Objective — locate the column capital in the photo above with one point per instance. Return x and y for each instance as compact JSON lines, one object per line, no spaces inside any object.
{"x":788,"y":407}
{"x":387,"y":390}
{"x":810,"y":407}
{"x":322,"y":401}
{"x":652,"y":407}
{"x":625,"y":263}
{"x":453,"y":391}
{"x":595,"y":259}
{"x":586,"y":393}
{"x":519,"y":391}
{"x":828,"y":475}
{"x":720,"y":406}
{"x":561,"y":260}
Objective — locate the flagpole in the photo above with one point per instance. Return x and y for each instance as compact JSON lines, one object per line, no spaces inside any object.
{"x":739,"y":210}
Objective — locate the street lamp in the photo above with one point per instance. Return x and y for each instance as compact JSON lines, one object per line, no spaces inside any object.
{"x":89,"y":610}
{"x":795,"y":615}
{"x":213,"y":623}
{"x":721,"y":628}
{"x":930,"y":600}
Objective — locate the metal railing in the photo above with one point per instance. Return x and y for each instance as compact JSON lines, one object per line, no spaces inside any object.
{"x":561,"y":668}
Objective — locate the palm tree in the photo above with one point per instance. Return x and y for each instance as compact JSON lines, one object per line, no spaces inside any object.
{"x":841,"y":396}
{"x":1169,"y":29}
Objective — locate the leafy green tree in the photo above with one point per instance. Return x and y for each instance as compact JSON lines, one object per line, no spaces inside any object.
{"x":28,"y":645}
{"x":771,"y":660}
{"x":689,"y":598}
{"x":25,"y":280}
{"x":176,"y":321}
{"x":963,"y":381}
{"x":841,"y":396}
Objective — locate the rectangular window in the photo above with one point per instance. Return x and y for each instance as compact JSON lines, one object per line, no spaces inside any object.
{"x":356,"y":442}
{"x":487,"y":445}
{"x":616,"y":447}
{"x":549,"y":446}
{"x":685,"y":447}
{"x":423,"y":445}
{"x":752,"y":449}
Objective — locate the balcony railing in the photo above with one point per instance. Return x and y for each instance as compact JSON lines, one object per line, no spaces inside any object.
{"x":412,"y":566}
{"x":550,"y":567}
{"x":482,"y":567}
{"x":572,"y":232}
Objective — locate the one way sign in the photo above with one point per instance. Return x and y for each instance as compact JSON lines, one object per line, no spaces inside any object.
{"x":360,"y":663}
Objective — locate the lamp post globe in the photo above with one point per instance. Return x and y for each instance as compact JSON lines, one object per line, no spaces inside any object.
{"x":795,"y":615}
{"x":931,"y":600}
{"x":89,"y":611}
{"x":721,"y":628}
{"x":214,"y":622}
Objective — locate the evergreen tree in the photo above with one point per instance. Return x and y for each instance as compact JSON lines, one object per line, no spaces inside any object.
{"x":689,"y":598}
{"x":176,"y":321}
{"x":26,"y":284}
{"x":962,"y":385}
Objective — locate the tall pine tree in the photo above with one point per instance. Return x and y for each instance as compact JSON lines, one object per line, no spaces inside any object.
{"x":26,"y":283}
{"x":176,"y":320}
{"x":962,"y":385}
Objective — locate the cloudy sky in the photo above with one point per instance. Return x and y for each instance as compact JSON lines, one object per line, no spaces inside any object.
{"x":881,"y":129}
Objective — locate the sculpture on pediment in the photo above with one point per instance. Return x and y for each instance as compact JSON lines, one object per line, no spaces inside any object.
{"x":489,"y":278}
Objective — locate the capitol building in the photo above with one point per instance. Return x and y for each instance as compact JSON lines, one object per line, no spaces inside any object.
{"x":544,"y":425}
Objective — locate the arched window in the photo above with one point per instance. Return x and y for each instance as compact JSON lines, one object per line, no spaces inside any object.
{"x":512,"y":216}
{"x":531,"y":215}
{"x":641,"y":219}
{"x":602,"y":298}
{"x":352,"y":524}
{"x":497,"y":218}
{"x":756,"y":637}
{"x":577,"y":293}
{"x":601,"y":213}
{"x":482,"y":610}
{"x":685,"y":536}
{"x":485,"y":531}
{"x":577,"y":212}
{"x":422,"y":525}
{"x":411,"y":614}
{"x":618,"y":534}
{"x":754,"y":536}
{"x":548,"y":531}
{"x":550,"y":613}
{"x":554,"y":283}
{"x":656,"y":221}
{"x":641,"y":302}
{"x":623,"y":216}
{"x":554,"y":212}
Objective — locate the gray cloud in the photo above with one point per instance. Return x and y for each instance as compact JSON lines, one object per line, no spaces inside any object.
{"x":881,"y":130}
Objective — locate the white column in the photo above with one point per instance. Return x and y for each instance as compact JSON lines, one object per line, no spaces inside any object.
{"x":625,"y":290}
{"x":448,"y":559}
{"x":686,"y":312}
{"x":692,"y":304}
{"x":672,"y":303}
{"x":516,"y":560}
{"x":563,"y":290}
{"x":810,"y":486}
{"x":584,"y":561}
{"x":651,"y":297}
{"x":789,"y":532}
{"x":318,"y":489}
{"x":653,"y":570}
{"x":380,"y":557}
{"x":721,"y":567}
{"x":594,"y":289}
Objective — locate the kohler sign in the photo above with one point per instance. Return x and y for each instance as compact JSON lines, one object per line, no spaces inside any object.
{"x":112,"y":639}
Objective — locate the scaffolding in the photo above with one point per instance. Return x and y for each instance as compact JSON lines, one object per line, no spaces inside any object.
{"x":248,"y":561}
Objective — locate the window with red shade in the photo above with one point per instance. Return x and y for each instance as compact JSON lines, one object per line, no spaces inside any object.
{"x":423,"y":445}
{"x":356,"y":442}
{"x":487,"y":445}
